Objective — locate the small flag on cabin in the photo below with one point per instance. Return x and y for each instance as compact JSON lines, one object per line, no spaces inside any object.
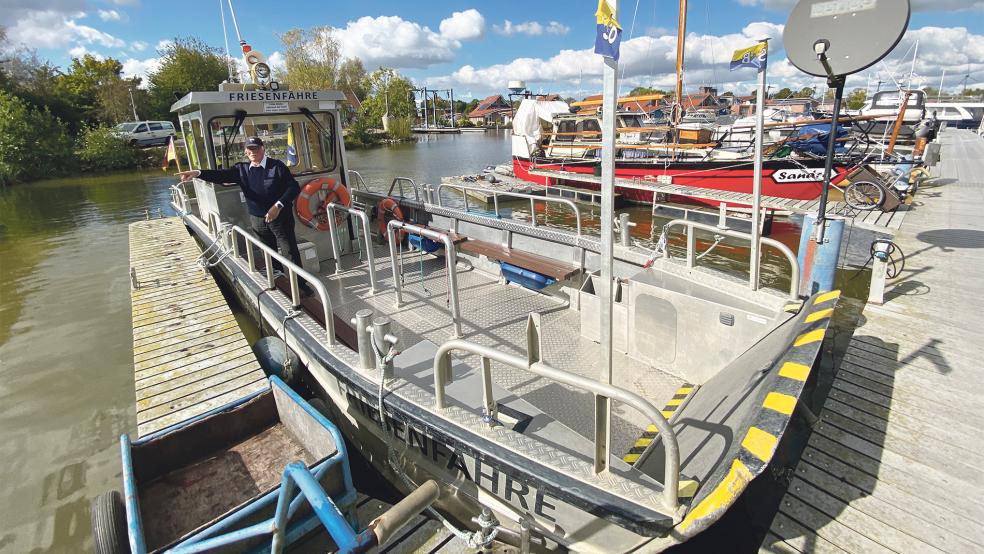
{"x":171,"y":154}
{"x":609,"y":36}
{"x":753,"y":56}
{"x":291,"y":149}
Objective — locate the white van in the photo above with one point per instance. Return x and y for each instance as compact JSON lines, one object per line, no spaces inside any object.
{"x":146,"y":133}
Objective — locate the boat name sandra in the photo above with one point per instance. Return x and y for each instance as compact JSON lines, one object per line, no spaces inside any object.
{"x":265,"y":96}
{"x":797,"y":175}
{"x":483,"y":475}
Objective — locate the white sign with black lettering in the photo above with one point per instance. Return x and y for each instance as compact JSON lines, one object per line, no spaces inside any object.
{"x":797,"y":175}
{"x":276,"y":107}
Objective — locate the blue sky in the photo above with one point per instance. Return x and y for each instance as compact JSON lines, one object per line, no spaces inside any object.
{"x":476,"y":48}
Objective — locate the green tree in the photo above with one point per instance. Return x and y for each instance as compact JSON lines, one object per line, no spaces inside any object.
{"x":313,"y":58}
{"x":805,"y":92}
{"x":784,"y":92}
{"x":187,"y":64}
{"x":856,"y":98}
{"x":386,"y":87}
{"x":99,"y":90}
{"x":352,"y":77}
{"x":645,"y":91}
{"x":33,"y":142}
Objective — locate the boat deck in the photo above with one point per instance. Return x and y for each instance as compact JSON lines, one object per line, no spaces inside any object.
{"x":495,"y":315}
{"x":189,"y":355}
{"x":895,"y":463}
{"x":872,"y":219}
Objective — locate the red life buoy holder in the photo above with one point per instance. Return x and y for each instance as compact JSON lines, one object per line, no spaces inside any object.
{"x":311,"y":205}
{"x":387,"y":210}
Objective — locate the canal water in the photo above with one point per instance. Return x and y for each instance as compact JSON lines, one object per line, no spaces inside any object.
{"x":66,"y":365}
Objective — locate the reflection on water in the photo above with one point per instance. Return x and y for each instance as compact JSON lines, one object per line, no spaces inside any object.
{"x":66,"y":373}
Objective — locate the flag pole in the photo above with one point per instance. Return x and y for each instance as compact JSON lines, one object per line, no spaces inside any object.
{"x":603,"y":414}
{"x":753,"y":274}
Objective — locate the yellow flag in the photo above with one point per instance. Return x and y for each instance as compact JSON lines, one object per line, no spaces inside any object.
{"x":604,"y":15}
{"x":291,"y":148}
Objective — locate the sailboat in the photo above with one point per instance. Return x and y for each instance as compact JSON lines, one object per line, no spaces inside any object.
{"x":685,"y":152}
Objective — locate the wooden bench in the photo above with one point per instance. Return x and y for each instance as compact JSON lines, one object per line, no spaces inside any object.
{"x":532,"y":262}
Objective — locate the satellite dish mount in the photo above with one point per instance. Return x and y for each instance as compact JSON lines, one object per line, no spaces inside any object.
{"x":834,"y":39}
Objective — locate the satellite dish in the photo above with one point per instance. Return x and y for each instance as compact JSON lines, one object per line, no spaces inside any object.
{"x":852,"y":34}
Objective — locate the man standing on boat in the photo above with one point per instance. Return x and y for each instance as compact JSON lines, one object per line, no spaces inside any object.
{"x":269,"y":188}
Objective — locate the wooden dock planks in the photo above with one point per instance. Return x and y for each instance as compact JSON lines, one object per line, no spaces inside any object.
{"x":189,"y":355}
{"x":895,"y":463}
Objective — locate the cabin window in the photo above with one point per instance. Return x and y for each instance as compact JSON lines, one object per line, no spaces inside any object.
{"x":142,"y":128}
{"x":305,"y":146}
{"x":565,"y":127}
{"x":194,"y":140}
{"x":591,"y":128}
{"x":156,"y":127}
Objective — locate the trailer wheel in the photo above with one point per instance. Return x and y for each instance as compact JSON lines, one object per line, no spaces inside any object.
{"x":109,"y":534}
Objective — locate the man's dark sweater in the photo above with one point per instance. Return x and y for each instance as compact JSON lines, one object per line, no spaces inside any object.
{"x":262,"y":187}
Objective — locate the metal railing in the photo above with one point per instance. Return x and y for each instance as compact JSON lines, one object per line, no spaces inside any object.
{"x":335,"y":247}
{"x":355,"y":180}
{"x":179,"y":198}
{"x":533,"y":364}
{"x":293,"y":273}
{"x":450,"y":256}
{"x":398,"y":182}
{"x":519,"y":195}
{"x":753,"y":264}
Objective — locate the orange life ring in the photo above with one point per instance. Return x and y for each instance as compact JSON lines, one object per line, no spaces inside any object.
{"x":311,"y":205}
{"x":387,"y":210}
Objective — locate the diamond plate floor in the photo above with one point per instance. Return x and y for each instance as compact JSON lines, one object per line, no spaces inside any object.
{"x":495,"y":315}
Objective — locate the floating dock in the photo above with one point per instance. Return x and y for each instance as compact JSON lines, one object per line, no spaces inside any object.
{"x":895,"y":463}
{"x":189,"y":355}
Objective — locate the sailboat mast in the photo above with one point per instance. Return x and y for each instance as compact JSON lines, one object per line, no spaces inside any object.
{"x":681,"y":37}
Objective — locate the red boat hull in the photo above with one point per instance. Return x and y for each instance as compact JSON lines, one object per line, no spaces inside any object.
{"x":780,"y":178}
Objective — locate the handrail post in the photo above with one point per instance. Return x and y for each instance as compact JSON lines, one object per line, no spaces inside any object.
{"x":391,"y":239}
{"x":336,"y":249}
{"x":533,"y":212}
{"x":495,"y":203}
{"x":268,"y":265}
{"x":370,"y":256}
{"x":452,"y":261}
{"x":691,"y":245}
{"x":295,"y":290}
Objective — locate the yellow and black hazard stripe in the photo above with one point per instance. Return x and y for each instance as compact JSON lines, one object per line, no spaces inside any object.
{"x":762,"y":437}
{"x":668,"y":411}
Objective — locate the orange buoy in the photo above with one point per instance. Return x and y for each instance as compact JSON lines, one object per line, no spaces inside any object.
{"x":311,"y":205}
{"x":387,"y":210}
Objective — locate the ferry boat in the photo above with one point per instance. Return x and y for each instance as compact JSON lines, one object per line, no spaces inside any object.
{"x":465,"y":347}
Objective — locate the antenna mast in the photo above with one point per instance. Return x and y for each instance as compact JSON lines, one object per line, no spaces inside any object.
{"x":225,"y":36}
{"x":235,"y":23}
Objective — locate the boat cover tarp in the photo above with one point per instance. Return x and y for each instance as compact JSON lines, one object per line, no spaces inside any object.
{"x":813,"y":139}
{"x":526,"y":123}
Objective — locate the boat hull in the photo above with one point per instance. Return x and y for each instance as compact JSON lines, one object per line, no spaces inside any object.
{"x":797,"y":180}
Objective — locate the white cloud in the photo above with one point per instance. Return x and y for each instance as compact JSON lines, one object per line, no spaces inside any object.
{"x":394,"y":42}
{"x":164,"y":44}
{"x":138,"y":46}
{"x":54,"y":29}
{"x":651,"y":60}
{"x":531,"y":28}
{"x":110,"y":15}
{"x":80,"y":52}
{"x":277,"y":62}
{"x":140,"y":68}
{"x":466,"y":25}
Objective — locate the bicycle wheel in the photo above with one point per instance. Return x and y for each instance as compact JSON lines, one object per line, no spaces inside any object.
{"x":864,"y":195}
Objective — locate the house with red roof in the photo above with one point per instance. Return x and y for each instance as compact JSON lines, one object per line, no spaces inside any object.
{"x":494,"y":110}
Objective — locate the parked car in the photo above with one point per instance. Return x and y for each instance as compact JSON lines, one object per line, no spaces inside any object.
{"x":146,"y":133}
